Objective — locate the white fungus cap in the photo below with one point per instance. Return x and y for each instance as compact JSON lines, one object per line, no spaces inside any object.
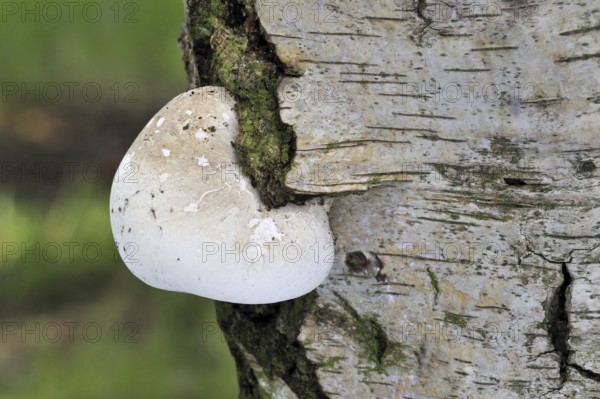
{"x":186,"y":219}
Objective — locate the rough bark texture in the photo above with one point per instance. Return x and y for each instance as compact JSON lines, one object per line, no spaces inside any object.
{"x":459,"y":141}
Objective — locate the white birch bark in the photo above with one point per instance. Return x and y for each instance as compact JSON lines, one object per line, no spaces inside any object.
{"x":478,"y":208}
{"x":464,"y":137}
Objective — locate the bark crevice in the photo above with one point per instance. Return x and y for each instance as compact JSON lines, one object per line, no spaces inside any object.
{"x":420,"y":10}
{"x":557,"y":321}
{"x":278,"y":353}
{"x":224,"y":45}
{"x":585,"y":372}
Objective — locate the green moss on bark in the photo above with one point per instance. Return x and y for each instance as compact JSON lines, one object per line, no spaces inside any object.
{"x":230,"y":51}
{"x":379,"y":350}
{"x":223,"y":46}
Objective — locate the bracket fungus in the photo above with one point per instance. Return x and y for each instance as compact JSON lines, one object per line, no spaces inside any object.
{"x":186,"y":219}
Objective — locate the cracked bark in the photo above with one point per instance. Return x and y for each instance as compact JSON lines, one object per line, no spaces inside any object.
{"x":467,"y":233}
{"x":559,"y":330}
{"x":558,"y":323}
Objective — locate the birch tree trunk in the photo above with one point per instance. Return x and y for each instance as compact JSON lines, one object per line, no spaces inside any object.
{"x":459,"y":144}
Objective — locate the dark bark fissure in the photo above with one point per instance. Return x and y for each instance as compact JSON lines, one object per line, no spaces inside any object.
{"x":585,"y":372}
{"x":558,"y":323}
{"x":278,"y":351}
{"x":420,"y":10}
{"x":515,"y":182}
{"x":421,"y":6}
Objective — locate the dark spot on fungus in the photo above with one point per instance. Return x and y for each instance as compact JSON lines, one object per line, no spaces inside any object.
{"x":186,"y":126}
{"x":212,"y":129}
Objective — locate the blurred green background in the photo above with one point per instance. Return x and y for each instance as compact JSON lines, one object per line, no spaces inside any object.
{"x":79,"y":81}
